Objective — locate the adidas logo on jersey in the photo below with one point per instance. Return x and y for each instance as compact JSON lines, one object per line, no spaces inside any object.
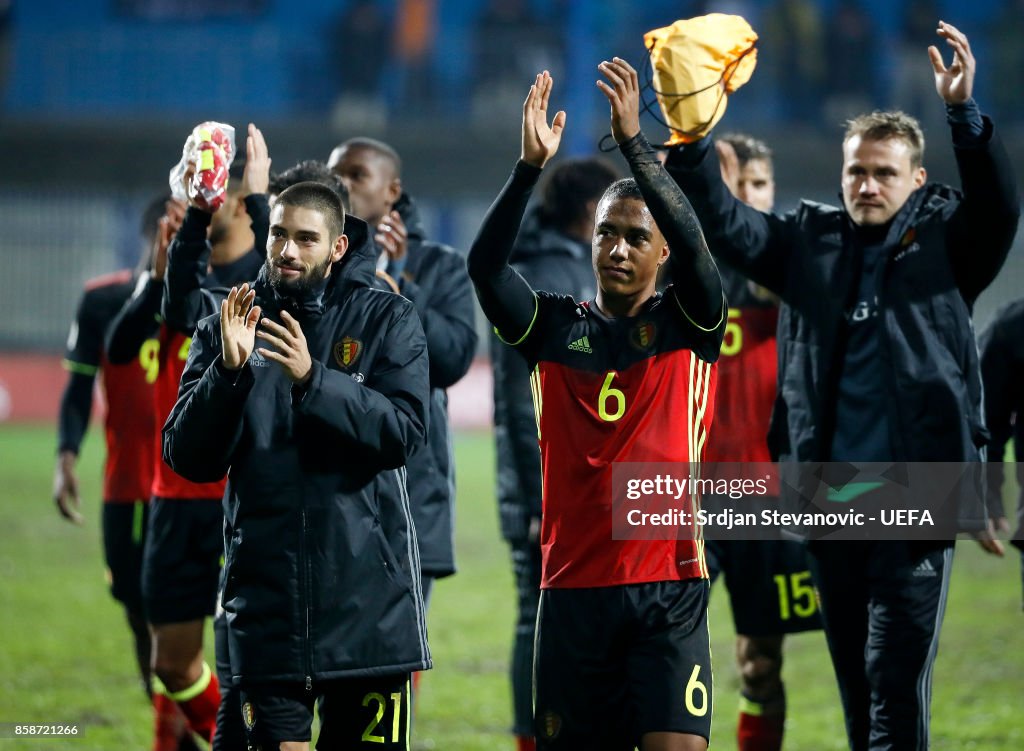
{"x":925,"y":568}
{"x":582,"y":345}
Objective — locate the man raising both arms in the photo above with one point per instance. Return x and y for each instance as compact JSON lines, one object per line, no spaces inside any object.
{"x":622,"y":645}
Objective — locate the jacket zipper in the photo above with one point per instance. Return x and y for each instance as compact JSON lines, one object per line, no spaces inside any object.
{"x":304,"y":562}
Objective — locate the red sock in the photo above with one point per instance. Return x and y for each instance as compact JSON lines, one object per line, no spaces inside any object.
{"x":168,"y":723}
{"x":416,"y":681}
{"x":525,"y":743}
{"x":758,"y":731}
{"x":199,"y":704}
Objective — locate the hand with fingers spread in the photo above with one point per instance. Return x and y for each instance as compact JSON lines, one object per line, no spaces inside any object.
{"x":256,"y":175}
{"x":624,"y":97}
{"x":392,"y":236}
{"x":955,"y":83}
{"x":238,"y":317}
{"x":729,"y":165}
{"x":540,"y":140}
{"x":292,"y":351}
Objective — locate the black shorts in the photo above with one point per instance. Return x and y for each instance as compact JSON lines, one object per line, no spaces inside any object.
{"x":769,"y":583}
{"x":367,"y":713}
{"x":614,"y":663}
{"x":181,"y":566}
{"x":124,"y":538}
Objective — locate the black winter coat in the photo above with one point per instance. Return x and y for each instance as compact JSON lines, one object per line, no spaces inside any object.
{"x":944,"y":248}
{"x":436,"y":282}
{"x":322,"y":575}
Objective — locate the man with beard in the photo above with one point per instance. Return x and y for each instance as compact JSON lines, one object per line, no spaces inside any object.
{"x":321,"y":586}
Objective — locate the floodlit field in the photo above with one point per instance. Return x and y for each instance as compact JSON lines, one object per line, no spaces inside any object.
{"x":65,"y":652}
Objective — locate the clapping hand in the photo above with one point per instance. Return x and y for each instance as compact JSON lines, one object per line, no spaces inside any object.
{"x":238,"y":317}
{"x":624,"y":97}
{"x":540,"y":140}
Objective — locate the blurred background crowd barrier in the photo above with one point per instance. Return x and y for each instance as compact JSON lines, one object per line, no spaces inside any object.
{"x":97,"y":96}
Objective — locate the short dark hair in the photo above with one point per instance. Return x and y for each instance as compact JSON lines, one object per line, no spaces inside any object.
{"x":308,"y":171}
{"x":748,"y":148}
{"x":622,"y":189}
{"x":378,"y":147}
{"x":880,"y":126}
{"x":569,"y":187}
{"x":310,"y":195}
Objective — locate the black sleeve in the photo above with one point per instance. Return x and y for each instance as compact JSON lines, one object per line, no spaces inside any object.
{"x":1001,"y":380}
{"x":386,"y":416}
{"x":507,"y":299}
{"x":200,"y":434}
{"x":696,"y":284}
{"x":188,"y":260}
{"x":753,"y":242}
{"x":75,"y":406}
{"x":84,"y":349}
{"x":137,"y":321}
{"x":448,"y":316}
{"x":980,"y":233}
{"x":258,"y":207}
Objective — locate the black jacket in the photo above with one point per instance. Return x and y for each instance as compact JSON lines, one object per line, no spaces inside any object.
{"x":553,"y":261}
{"x":1002,"y":372}
{"x":944,"y":248}
{"x":436,"y":282}
{"x":322,"y":572}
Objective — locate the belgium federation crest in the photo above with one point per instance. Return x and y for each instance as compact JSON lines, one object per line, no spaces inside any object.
{"x":248,"y":716}
{"x":347,"y":351}
{"x":551,"y":725}
{"x":642,"y":335}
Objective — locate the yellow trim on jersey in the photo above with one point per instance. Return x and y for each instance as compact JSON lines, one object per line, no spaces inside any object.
{"x":538,"y":399}
{"x":79,"y":367}
{"x":725,"y":308}
{"x":752,"y":708}
{"x":517,"y":342}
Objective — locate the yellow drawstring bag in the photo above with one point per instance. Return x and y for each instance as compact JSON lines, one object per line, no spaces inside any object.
{"x":696,"y":63}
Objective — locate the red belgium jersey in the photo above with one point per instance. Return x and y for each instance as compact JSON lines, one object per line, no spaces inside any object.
{"x":608,"y":390}
{"x":170,"y":351}
{"x":747,"y":373}
{"x":129,"y":421}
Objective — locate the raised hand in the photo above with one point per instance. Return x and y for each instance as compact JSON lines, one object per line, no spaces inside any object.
{"x":729,"y":165}
{"x":167,"y":228}
{"x":292,"y":352}
{"x":65,"y":487}
{"x":540,"y":140}
{"x":623,"y":96}
{"x":238,"y":317}
{"x":955,"y":83}
{"x":256,"y":175}
{"x":392,"y":236}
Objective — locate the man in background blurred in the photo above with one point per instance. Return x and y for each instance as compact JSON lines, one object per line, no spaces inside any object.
{"x":433,"y":276}
{"x":769,"y":581}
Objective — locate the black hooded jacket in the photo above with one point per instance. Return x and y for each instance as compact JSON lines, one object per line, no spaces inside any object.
{"x":436,"y":282}
{"x":322,"y":574}
{"x":942,"y":249}
{"x":549,"y":260}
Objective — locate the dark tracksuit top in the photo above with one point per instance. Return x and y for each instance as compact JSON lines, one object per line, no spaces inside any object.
{"x":322,"y":573}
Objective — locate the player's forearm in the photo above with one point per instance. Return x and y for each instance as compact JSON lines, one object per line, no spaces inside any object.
{"x":75,"y":406}
{"x":258,"y":208}
{"x":505,"y":297}
{"x":188,"y":260}
{"x":691,"y":268}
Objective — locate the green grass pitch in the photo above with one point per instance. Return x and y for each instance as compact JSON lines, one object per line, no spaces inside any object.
{"x":65,"y":652}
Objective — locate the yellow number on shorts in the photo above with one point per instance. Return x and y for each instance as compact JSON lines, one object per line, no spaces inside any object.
{"x":694,"y":686}
{"x":149,"y":359}
{"x":798,"y":590}
{"x":396,"y":719}
{"x":368,"y":735}
{"x":607,"y":392}
{"x":733,"y":341}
